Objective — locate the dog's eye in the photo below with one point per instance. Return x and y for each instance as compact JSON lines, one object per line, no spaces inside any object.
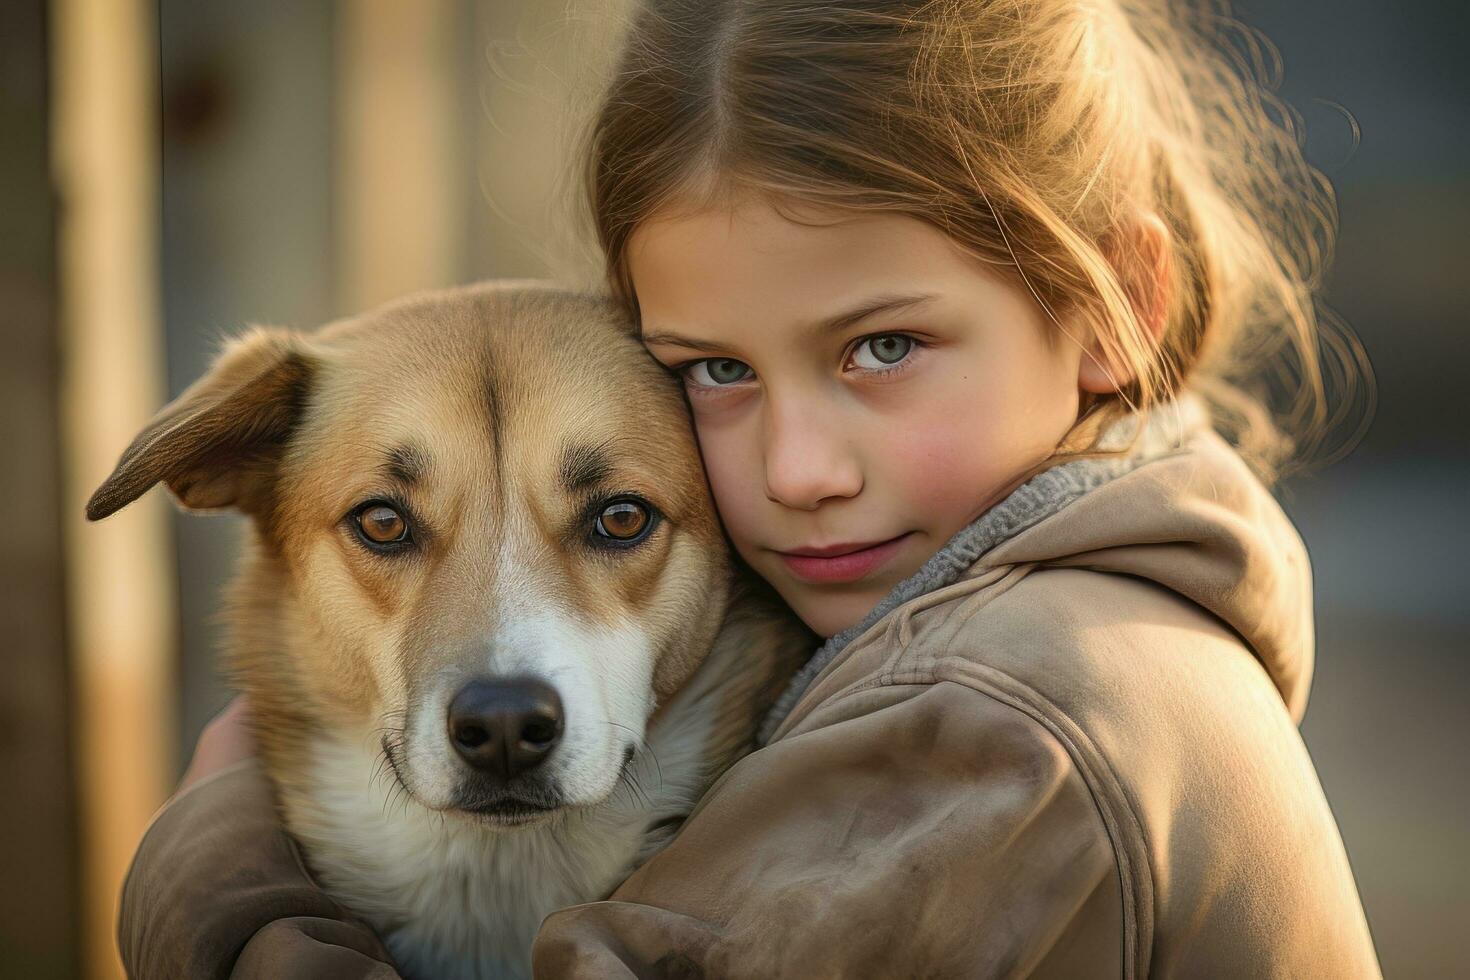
{"x":623,"y":521}
{"x":381,"y":524}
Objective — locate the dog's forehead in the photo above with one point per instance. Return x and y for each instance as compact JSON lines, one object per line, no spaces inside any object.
{"x":475,"y":329}
{"x":535,"y":381}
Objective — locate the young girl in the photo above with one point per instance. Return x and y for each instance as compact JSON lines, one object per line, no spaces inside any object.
{"x":975,"y":302}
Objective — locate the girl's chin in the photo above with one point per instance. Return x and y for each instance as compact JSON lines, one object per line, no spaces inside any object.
{"x":829,"y":611}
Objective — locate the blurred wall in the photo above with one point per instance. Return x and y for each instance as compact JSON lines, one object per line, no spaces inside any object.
{"x":1387,"y":528}
{"x":38,"y":832}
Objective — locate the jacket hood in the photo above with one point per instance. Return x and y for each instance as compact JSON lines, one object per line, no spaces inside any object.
{"x":1191,"y":516}
{"x":1181,"y":509}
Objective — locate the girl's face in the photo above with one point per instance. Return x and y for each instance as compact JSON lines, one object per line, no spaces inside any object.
{"x":862,"y":388}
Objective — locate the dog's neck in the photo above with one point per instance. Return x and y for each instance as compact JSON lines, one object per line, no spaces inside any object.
{"x":452,"y":898}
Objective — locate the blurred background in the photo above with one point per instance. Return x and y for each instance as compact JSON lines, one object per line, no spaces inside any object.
{"x":174,"y":170}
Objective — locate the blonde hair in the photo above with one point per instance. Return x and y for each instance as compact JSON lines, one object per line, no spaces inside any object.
{"x":1032,"y":132}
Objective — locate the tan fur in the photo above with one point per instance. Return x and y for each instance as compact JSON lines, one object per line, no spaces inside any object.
{"x":348,"y":656}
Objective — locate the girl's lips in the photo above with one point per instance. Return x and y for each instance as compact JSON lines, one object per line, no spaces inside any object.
{"x":848,"y":567}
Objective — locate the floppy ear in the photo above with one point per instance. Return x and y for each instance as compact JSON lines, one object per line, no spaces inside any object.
{"x":218,"y":443}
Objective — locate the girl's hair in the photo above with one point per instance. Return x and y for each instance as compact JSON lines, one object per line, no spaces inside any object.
{"x":1032,"y":132}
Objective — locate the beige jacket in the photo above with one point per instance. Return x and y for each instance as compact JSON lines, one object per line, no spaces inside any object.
{"x":1071,"y":751}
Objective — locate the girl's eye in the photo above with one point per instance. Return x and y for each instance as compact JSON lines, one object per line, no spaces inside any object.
{"x":380,"y":524}
{"x":884,"y":351}
{"x":713,"y":372}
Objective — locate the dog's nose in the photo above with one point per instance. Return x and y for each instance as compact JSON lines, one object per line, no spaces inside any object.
{"x":505,"y":727}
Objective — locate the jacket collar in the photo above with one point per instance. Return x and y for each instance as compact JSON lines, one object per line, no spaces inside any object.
{"x":1172,"y":429}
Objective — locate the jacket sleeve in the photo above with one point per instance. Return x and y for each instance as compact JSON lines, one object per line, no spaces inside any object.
{"x":217,"y":889}
{"x":920,"y":831}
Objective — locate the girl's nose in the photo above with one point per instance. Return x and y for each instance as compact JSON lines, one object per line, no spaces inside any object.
{"x":808,"y":456}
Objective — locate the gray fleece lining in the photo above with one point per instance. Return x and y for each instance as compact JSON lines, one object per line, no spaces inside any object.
{"x":1029,"y":504}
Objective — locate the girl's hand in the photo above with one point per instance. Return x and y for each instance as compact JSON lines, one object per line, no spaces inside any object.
{"x":225,"y":741}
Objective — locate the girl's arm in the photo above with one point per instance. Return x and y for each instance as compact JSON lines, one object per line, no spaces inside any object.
{"x":217,"y":887}
{"x":910,"y":830}
{"x":930,"y":830}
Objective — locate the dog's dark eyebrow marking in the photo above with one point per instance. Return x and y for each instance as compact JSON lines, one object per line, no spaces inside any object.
{"x":584,"y":466}
{"x":405,"y":464}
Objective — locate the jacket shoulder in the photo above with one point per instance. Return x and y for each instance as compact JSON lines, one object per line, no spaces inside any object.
{"x":1147,"y":682}
{"x":1188,"y":748}
{"x":1109,"y":650}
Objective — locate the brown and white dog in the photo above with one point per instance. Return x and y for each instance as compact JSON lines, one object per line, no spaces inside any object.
{"x":487,"y":619}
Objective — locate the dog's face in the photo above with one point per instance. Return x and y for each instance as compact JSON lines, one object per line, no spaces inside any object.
{"x":488,"y":509}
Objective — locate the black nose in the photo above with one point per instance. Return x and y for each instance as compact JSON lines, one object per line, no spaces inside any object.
{"x":505,"y":727}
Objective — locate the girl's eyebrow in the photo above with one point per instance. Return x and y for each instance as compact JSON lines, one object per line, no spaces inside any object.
{"x":871,"y":307}
{"x":887,"y":303}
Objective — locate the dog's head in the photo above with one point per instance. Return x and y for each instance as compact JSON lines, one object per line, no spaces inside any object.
{"x":486,"y":514}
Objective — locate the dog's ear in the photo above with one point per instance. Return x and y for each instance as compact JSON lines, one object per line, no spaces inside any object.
{"x":218,"y":443}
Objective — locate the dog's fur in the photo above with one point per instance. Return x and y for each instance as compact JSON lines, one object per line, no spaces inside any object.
{"x":501,"y":417}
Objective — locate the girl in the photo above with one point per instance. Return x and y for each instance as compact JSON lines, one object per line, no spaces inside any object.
{"x":976,"y":303}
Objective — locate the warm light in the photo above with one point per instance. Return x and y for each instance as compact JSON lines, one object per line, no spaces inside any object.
{"x":119,"y":582}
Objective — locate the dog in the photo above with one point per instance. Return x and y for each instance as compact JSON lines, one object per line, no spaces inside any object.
{"x":493,"y":638}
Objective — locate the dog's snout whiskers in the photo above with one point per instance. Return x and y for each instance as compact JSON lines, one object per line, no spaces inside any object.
{"x":629,"y":774}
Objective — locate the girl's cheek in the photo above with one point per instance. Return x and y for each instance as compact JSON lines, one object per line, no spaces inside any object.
{"x":735,"y":474}
{"x":948,"y":453}
{"x":941,"y":474}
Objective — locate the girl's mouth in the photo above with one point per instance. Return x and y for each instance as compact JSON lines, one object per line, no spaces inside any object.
{"x":840,"y":563}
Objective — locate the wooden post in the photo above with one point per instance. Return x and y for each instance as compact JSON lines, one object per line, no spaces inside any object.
{"x":119,"y":572}
{"x":398,"y":200}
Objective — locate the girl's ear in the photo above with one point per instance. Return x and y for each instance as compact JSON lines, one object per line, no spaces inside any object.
{"x":1140,"y":255}
{"x":218,"y":443}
